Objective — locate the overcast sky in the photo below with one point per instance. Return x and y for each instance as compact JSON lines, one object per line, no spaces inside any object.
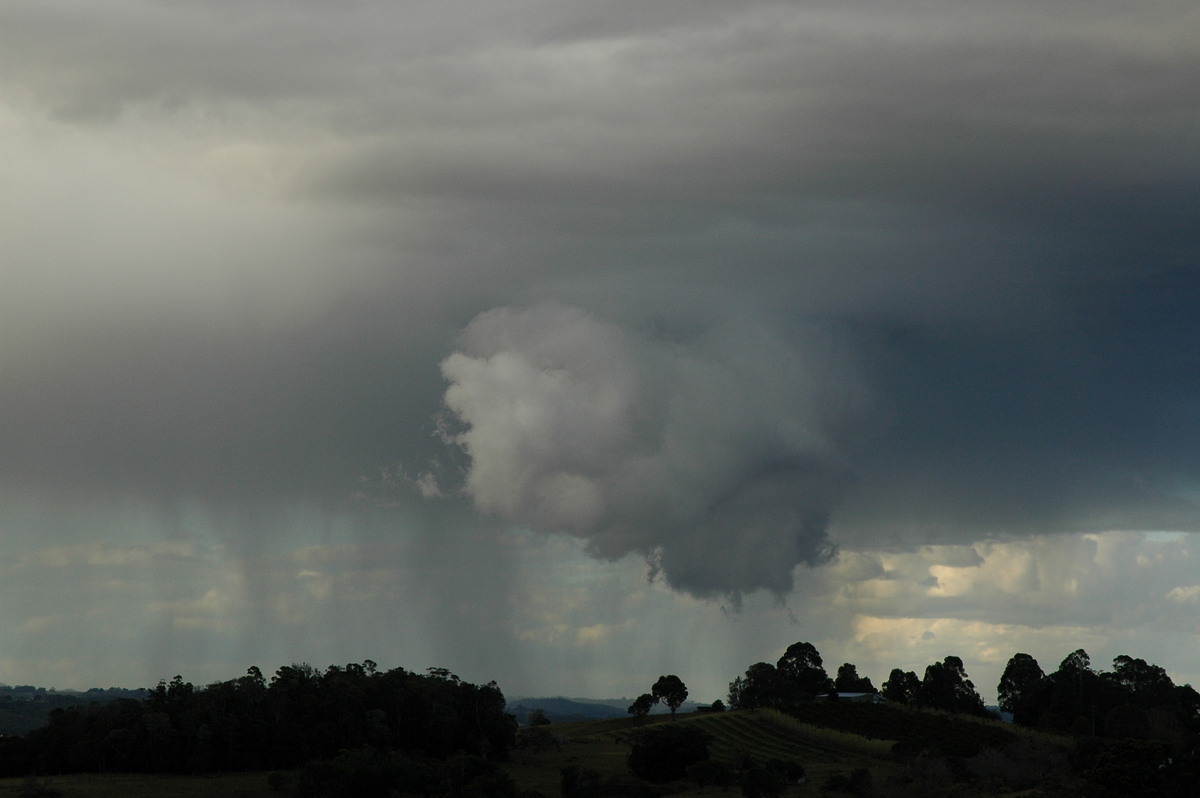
{"x":570,"y":344}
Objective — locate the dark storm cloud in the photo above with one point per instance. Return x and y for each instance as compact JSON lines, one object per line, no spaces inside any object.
{"x":1090,"y":426}
{"x":994,"y":205}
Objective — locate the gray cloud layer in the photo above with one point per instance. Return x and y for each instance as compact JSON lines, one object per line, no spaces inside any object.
{"x":693,"y":238}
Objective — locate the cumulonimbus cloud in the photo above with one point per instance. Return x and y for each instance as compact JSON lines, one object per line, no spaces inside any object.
{"x":718,"y":455}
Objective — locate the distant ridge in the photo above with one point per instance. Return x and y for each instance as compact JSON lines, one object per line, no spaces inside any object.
{"x":566,"y":710}
{"x":562,"y":710}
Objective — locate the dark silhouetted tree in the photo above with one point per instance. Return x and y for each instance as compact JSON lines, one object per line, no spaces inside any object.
{"x":642,"y":705}
{"x":671,"y":691}
{"x":1018,"y":688}
{"x":848,"y":681}
{"x":802,"y":672}
{"x":947,"y":687}
{"x":1076,"y":662}
{"x":1074,"y":697}
{"x":903,"y":687}
{"x":1136,"y":678}
{"x":762,"y":686}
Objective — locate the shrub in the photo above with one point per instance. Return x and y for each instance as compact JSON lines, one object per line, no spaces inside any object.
{"x":762,"y":782}
{"x":1130,"y":768}
{"x":575,"y":782}
{"x":366,"y":772}
{"x":707,"y":773}
{"x":859,"y":782}
{"x":536,"y":738}
{"x":664,"y":753}
{"x":38,"y":788}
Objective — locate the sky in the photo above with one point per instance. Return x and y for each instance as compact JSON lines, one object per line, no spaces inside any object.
{"x":571,"y":344}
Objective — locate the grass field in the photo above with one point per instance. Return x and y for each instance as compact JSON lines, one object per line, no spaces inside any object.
{"x":231,"y":785}
{"x":603,"y":746}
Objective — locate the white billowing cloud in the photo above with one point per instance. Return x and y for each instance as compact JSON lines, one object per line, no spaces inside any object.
{"x":719,"y":455}
{"x":1185,"y":595}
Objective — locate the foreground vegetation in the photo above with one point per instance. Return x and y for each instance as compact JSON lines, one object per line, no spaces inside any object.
{"x":879,"y":757}
{"x":852,"y":749}
{"x":843,"y":749}
{"x":358,"y":731}
{"x":140,"y":785}
{"x":347,"y":730}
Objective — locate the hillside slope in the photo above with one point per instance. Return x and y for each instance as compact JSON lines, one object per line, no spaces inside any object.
{"x":844,"y":750}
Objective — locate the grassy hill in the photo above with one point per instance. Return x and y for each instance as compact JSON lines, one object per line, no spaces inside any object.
{"x":845,"y":750}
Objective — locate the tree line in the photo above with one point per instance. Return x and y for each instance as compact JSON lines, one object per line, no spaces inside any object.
{"x":1135,"y":699}
{"x":799,"y":676}
{"x":395,"y":718}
